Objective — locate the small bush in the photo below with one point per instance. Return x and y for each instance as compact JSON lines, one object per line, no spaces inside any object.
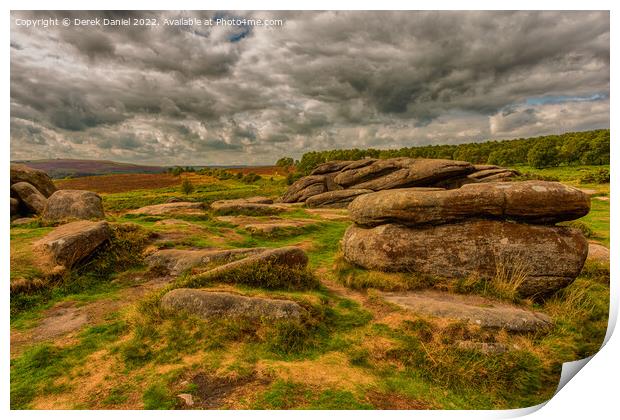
{"x":260,"y":274}
{"x":599,"y":176}
{"x":187,"y":187}
{"x":292,"y":177}
{"x":251,"y":178}
{"x":580,"y":226}
{"x":157,"y":397}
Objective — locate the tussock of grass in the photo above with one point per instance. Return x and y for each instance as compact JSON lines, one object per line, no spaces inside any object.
{"x":34,"y":372}
{"x":260,"y":274}
{"x":358,"y":278}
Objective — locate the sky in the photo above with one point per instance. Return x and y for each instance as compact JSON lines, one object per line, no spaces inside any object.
{"x":188,"y":94}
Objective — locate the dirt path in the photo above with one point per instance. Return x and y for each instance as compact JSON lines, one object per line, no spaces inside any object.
{"x":62,"y":322}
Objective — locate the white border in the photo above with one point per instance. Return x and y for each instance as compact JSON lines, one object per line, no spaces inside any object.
{"x":592,"y":393}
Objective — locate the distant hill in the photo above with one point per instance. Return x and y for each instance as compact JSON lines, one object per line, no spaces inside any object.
{"x":73,"y":168}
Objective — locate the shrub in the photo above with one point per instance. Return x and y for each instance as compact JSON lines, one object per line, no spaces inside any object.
{"x":292,"y":177}
{"x":251,"y":178}
{"x":599,"y":176}
{"x":187,"y":187}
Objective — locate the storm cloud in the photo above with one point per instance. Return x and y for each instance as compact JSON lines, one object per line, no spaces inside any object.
{"x":189,"y":94}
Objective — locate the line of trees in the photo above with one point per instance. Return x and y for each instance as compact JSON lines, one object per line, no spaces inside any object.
{"x":577,"y":148}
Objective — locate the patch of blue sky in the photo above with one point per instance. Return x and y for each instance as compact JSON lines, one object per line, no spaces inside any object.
{"x":559,"y":99}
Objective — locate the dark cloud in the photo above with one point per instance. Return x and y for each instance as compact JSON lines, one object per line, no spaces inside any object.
{"x":225,"y":94}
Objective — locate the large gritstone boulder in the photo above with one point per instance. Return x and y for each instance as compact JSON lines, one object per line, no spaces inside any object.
{"x":206,"y":304}
{"x":531,"y":201}
{"x":335,"y":199}
{"x":401,"y":172}
{"x":39,"y":179}
{"x":66,"y":205}
{"x":548,"y":258}
{"x":30,"y":197}
{"x":388,"y":174}
{"x":14,"y":206}
{"x":71,"y":243}
{"x":304,"y":188}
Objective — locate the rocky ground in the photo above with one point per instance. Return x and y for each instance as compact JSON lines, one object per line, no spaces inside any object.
{"x":155,"y":300}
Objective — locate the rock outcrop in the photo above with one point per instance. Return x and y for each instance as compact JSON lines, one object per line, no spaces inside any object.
{"x":335,"y":199}
{"x":530,"y":201}
{"x":477,"y":310}
{"x":30,"y":197}
{"x":71,"y":243}
{"x":39,"y":179}
{"x":206,"y":304}
{"x":66,"y":205}
{"x":289,"y":256}
{"x":479,"y":230}
{"x":387,"y":174}
{"x":178,"y":260}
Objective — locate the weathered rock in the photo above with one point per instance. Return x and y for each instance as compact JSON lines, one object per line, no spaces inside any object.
{"x":71,"y":243}
{"x":66,"y":205}
{"x":598,"y":253}
{"x":331,"y":166}
{"x":480,"y":311}
{"x":531,"y":201}
{"x":546,"y":258}
{"x":498,"y":177}
{"x":289,"y":256}
{"x":257,"y":206}
{"x":266,"y":225}
{"x":178,"y":208}
{"x":14,"y":206}
{"x":335,"y":199}
{"x":29,"y":196}
{"x":401,"y":172}
{"x":305,"y":187}
{"x":482,"y":347}
{"x":484,"y":173}
{"x":205,"y":304}
{"x":22,"y":221}
{"x":187,"y":399}
{"x":259,"y":200}
{"x":178,"y":260}
{"x":39,"y":179}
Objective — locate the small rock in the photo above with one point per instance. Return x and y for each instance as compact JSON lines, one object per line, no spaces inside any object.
{"x":484,"y":348}
{"x":598,"y":253}
{"x":23,"y":221}
{"x":207,"y":304}
{"x":188,"y":399}
{"x":480,"y":311}
{"x":30,"y":197}
{"x":65,"y":205}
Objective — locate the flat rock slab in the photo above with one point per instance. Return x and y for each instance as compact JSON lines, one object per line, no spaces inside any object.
{"x":598,"y":253}
{"x":178,"y":260}
{"x":265,"y":225}
{"x":69,"y":244}
{"x":205,"y":304}
{"x":475,"y":309}
{"x":179,"y":208}
{"x":61,"y":320}
{"x":544,"y":258}
{"x":64,"y":205}
{"x":530,"y":201}
{"x":251,"y":206}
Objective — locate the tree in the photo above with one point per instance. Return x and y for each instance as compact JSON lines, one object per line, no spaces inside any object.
{"x":187,"y":187}
{"x":285,"y":162}
{"x":543,"y":155}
